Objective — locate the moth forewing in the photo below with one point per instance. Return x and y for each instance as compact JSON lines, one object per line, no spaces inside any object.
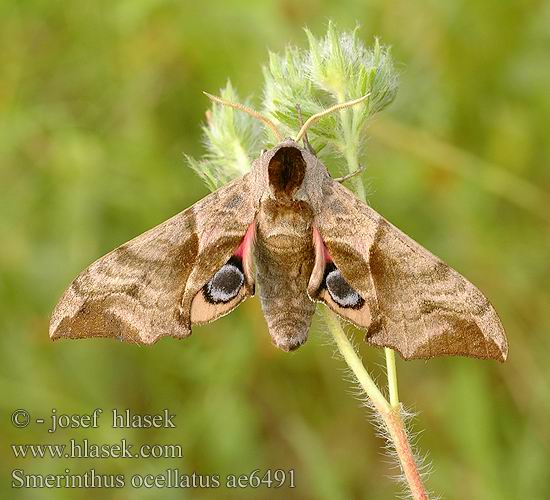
{"x":419,"y":305}
{"x":144,"y":289}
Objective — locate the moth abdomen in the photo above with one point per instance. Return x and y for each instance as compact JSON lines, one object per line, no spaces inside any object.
{"x":284,"y":260}
{"x":290,"y":331}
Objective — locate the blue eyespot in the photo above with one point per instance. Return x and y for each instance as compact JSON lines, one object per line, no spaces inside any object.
{"x":226,"y":283}
{"x":340,"y":290}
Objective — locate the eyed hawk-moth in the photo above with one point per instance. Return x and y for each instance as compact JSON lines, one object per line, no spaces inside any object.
{"x":301,"y":237}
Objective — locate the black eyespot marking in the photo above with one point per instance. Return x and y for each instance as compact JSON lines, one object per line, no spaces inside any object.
{"x":226,"y":283}
{"x":340,"y":290}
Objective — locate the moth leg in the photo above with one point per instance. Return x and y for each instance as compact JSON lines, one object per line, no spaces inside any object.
{"x":307,"y":144}
{"x":350,"y":175}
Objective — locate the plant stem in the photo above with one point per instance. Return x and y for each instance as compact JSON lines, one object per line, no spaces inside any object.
{"x":390,"y":415}
{"x":391,"y":372}
{"x":396,"y":428}
{"x":349,"y":147}
{"x":354,"y":362}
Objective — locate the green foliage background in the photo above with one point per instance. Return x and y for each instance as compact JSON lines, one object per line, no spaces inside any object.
{"x":98,"y":101}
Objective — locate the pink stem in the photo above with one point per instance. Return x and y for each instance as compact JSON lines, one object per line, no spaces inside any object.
{"x":396,"y":429}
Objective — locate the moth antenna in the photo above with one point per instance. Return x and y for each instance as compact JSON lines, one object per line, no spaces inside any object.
{"x":306,"y":140}
{"x":249,"y":111}
{"x":313,"y":118}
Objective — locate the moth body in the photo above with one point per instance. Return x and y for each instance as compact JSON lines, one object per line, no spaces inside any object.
{"x":284,"y":257}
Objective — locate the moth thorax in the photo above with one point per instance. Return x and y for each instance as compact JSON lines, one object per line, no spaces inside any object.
{"x":285,"y":228}
{"x":286,"y":172}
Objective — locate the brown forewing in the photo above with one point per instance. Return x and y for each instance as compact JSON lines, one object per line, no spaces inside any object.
{"x":143,"y":289}
{"x":417,"y":304}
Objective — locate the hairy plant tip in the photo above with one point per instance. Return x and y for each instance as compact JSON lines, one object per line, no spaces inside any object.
{"x":231,"y":138}
{"x":334,"y":69}
{"x":285,"y":87}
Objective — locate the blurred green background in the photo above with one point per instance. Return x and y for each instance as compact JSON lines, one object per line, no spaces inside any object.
{"x":98,"y":101}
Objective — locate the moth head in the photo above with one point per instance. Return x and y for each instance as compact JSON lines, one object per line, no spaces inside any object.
{"x":289,"y":173}
{"x":286,"y":170}
{"x":292,"y":173}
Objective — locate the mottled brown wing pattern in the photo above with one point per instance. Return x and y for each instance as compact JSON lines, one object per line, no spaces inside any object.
{"x":144,"y":289}
{"x":417,"y":304}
